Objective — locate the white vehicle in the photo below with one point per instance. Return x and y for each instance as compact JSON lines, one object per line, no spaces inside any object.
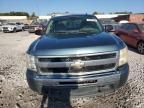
{"x":12,"y":27}
{"x":0,"y":27}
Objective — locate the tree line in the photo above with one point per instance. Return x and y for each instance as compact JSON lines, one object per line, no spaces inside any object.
{"x":29,"y":16}
{"x":15,"y":14}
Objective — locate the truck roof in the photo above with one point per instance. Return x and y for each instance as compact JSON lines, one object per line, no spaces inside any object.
{"x":73,"y":15}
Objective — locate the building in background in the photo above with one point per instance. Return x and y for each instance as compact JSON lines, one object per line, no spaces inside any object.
{"x":116,"y":17}
{"x":130,"y":18}
{"x":136,"y":18}
{"x":44,"y":17}
{"x":14,"y":18}
{"x":102,"y":16}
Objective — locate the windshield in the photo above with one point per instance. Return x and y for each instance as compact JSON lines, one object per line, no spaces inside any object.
{"x":35,"y":22}
{"x":10,"y":24}
{"x":74,"y":25}
{"x":141,"y":27}
{"x":39,"y":21}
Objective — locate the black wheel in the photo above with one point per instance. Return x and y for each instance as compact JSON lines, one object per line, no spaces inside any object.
{"x":140,"y":47}
{"x":14,"y":30}
{"x":23,"y":29}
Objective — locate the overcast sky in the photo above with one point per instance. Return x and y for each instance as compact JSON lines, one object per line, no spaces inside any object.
{"x":43,"y":7}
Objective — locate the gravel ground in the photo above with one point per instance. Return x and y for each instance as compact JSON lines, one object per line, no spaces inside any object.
{"x":15,"y":93}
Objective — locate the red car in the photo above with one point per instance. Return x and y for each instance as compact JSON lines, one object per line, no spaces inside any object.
{"x":132,"y":34}
{"x":37,"y":25}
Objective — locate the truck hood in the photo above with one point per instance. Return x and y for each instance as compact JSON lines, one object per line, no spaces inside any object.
{"x":56,"y":45}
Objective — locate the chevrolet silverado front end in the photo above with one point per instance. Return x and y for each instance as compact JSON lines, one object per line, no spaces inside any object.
{"x":76,"y":54}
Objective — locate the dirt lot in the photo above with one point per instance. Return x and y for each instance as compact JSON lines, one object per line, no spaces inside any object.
{"x":15,"y":93}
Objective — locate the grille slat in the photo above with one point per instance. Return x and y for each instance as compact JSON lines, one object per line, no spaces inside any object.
{"x":84,"y":69}
{"x":84,"y":58}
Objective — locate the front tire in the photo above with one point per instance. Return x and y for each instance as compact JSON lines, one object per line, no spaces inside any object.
{"x":23,"y":29}
{"x":140,"y":47}
{"x":14,"y":30}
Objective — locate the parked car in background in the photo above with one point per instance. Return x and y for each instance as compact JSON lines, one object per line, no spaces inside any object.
{"x":108,"y":21}
{"x":37,"y":25}
{"x":21,"y":24}
{"x":12,"y":27}
{"x":26,"y":26}
{"x":132,"y":34}
{"x":0,"y":27}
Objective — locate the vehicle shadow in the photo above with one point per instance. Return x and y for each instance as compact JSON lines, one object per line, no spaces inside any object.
{"x":122,"y":97}
{"x":132,"y":49}
{"x":60,"y":98}
{"x":56,"y":98}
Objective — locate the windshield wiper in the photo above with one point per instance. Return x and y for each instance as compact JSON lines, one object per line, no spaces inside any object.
{"x":87,"y":31}
{"x":60,"y":32}
{"x":66,"y":32}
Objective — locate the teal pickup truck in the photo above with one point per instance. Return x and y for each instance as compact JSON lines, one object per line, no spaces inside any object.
{"x":76,"y":53}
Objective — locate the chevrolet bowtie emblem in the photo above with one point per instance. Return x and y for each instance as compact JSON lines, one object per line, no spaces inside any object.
{"x":77,"y":64}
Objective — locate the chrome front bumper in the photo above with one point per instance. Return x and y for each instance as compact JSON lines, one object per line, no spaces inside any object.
{"x":91,"y":84}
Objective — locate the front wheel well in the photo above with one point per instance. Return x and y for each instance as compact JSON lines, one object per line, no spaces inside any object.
{"x":140,"y":41}
{"x":117,"y":34}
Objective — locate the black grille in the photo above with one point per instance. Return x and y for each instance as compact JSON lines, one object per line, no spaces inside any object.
{"x":80,"y":82}
{"x":83,"y":58}
{"x":83,"y":69}
{"x":5,"y":28}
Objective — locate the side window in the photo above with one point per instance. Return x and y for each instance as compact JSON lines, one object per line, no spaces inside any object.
{"x":18,"y":23}
{"x":50,"y":26}
{"x":124,"y":26}
{"x":132,"y":27}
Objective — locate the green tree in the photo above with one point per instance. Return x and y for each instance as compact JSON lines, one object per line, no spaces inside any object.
{"x":12,"y":13}
{"x":33,"y":14}
{"x":94,"y":13}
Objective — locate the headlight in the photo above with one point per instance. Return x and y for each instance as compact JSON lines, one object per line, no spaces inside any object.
{"x":123,"y":59}
{"x":31,"y":62}
{"x":10,"y":28}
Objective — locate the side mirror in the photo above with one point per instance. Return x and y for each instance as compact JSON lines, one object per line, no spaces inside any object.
{"x":108,"y":28}
{"x":39,"y":32}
